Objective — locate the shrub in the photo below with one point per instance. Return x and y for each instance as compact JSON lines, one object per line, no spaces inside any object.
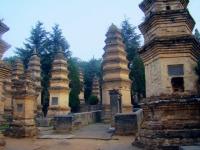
{"x":93,"y":100}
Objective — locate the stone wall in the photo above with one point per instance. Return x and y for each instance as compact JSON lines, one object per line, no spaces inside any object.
{"x":128,"y":123}
{"x":170,"y":123}
{"x":67,"y":123}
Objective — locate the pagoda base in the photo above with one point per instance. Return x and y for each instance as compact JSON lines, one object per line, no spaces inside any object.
{"x":107,"y":114}
{"x":22,"y":129}
{"x":56,"y":111}
{"x":170,"y":123}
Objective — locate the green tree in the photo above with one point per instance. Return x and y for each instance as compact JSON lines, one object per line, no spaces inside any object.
{"x":132,"y":43}
{"x":75,"y":86}
{"x":137,"y":76}
{"x":197,"y":34}
{"x":36,"y":40}
{"x":57,"y":40}
{"x":93,"y":100}
{"x":131,"y":39}
{"x":46,"y":45}
{"x":10,"y":60}
{"x":90,"y":69}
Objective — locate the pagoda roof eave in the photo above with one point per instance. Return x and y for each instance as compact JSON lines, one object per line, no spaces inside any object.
{"x":146,"y":4}
{"x":3,"y":27}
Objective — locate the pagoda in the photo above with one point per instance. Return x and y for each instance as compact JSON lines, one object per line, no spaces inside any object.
{"x":95,"y":87}
{"x":170,"y":54}
{"x":5,"y":72}
{"x":17,"y":69}
{"x":24,"y":97}
{"x":59,"y":86}
{"x":81,"y":95}
{"x":34,"y":69}
{"x":115,"y":71}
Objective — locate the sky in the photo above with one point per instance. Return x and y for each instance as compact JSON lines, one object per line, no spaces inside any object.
{"x":84,"y":22}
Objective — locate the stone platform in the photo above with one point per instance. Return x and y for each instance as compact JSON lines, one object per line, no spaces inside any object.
{"x":67,"y":123}
{"x":170,"y":123}
{"x":96,"y":131}
{"x":128,"y":123}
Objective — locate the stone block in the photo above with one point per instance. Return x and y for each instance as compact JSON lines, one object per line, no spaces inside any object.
{"x":43,"y":122}
{"x":129,"y":123}
{"x":67,"y":123}
{"x":190,"y":148}
{"x":63,"y":123}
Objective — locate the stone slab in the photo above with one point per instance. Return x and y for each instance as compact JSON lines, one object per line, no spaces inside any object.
{"x":190,"y":148}
{"x":128,"y":123}
{"x":94,"y":131}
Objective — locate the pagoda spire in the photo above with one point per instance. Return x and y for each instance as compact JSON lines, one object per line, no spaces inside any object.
{"x":34,"y":67}
{"x":96,"y":87}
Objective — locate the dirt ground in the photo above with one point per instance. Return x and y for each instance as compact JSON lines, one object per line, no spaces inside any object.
{"x":124,"y":143}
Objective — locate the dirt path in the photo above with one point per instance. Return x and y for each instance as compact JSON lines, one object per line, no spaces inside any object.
{"x":124,"y":143}
{"x":92,"y":137}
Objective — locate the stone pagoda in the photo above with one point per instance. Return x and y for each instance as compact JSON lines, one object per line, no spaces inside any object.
{"x":5,"y":95}
{"x":59,"y":86}
{"x":34,"y":69}
{"x":24,"y":97}
{"x":115,"y":71}
{"x":95,"y":87}
{"x":81,"y":95}
{"x":17,"y":69}
{"x":170,"y":53}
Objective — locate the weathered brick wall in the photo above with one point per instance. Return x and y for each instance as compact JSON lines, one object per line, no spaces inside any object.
{"x":170,"y":123}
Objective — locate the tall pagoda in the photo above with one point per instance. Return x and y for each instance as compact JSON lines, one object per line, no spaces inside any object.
{"x":81,"y":95}
{"x":170,"y":54}
{"x":170,"y":51}
{"x":5,"y":72}
{"x":17,"y":69}
{"x":115,"y":70}
{"x":24,"y":97}
{"x":35,"y":70}
{"x":59,"y":86}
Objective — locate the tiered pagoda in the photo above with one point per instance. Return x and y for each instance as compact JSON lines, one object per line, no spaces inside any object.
{"x":5,"y":95}
{"x":35,"y":70}
{"x":81,"y":95}
{"x":115,"y":71}
{"x":24,"y":97}
{"x":59,"y":86}
{"x":170,"y":51}
{"x":95,"y":87}
{"x":17,"y":69}
{"x":170,"y":54}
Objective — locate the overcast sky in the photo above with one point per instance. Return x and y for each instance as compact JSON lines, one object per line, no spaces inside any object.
{"x":84,"y":22}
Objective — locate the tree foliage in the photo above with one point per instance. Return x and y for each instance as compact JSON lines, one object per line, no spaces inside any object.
{"x":90,"y":69}
{"x":93,"y":100}
{"x":10,"y":60}
{"x":46,"y":44}
{"x":197,"y":34}
{"x":36,"y":41}
{"x":75,"y":86}
{"x":132,"y":43}
{"x":131,"y":39}
{"x":137,"y":76}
